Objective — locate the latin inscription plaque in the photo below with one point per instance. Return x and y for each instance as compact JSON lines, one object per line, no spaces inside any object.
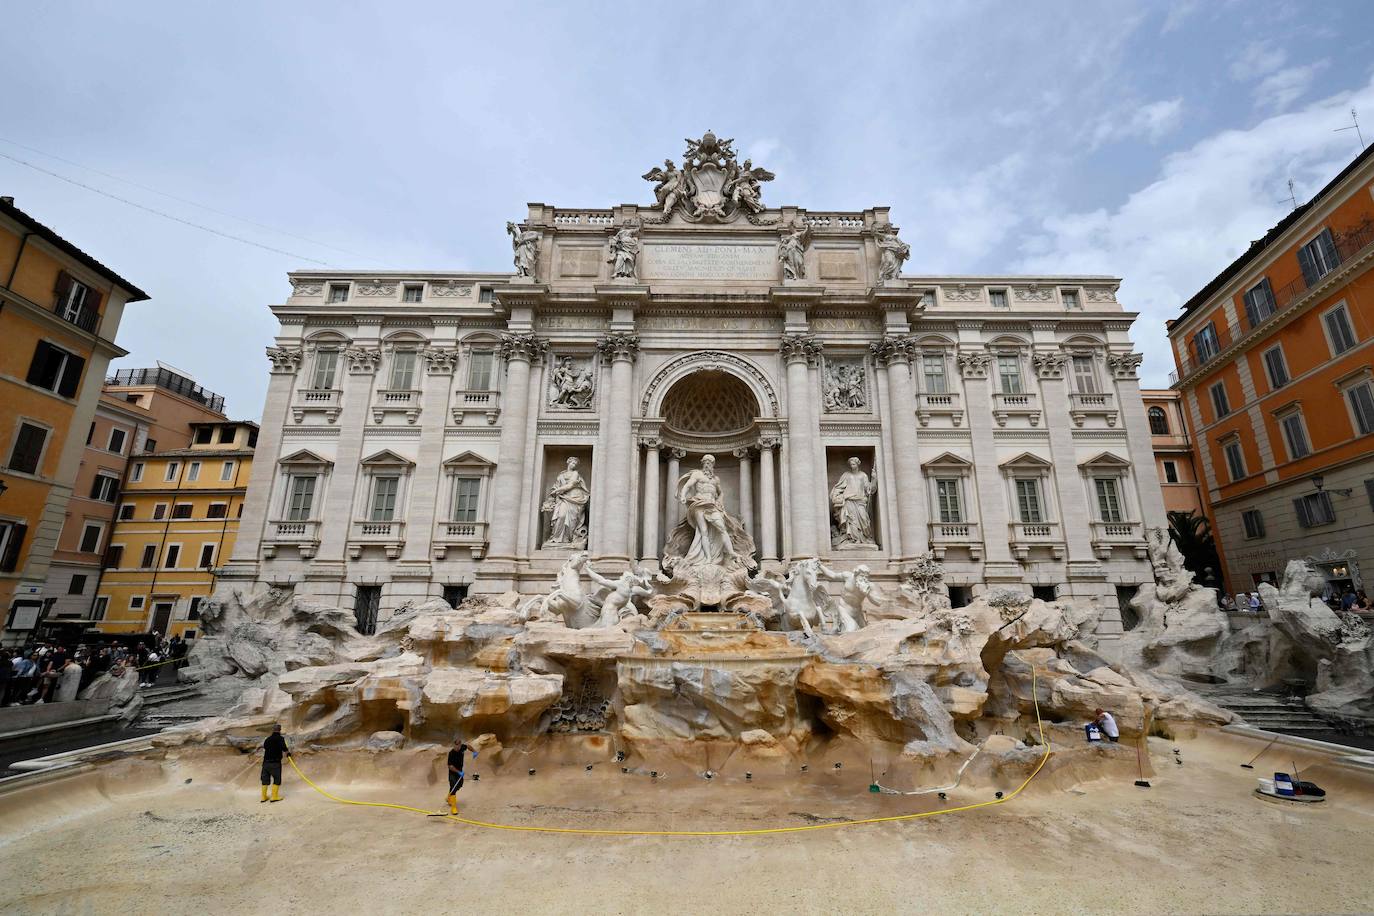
{"x":696,"y":261}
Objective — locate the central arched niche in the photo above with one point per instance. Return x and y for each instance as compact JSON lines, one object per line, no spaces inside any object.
{"x":710,"y":402}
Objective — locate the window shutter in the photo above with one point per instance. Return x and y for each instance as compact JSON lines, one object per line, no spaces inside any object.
{"x":61,"y":289}
{"x":1252,"y":312}
{"x":1309,"y":269}
{"x":1304,"y":519}
{"x":41,"y":354}
{"x":10,"y":561}
{"x":1369,"y":489}
{"x":1330,"y":258}
{"x":71,"y":376}
{"x":93,"y":299}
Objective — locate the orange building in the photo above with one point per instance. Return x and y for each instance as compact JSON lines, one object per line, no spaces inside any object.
{"x":59,"y":311}
{"x":1173,"y":449}
{"x":1274,"y":366}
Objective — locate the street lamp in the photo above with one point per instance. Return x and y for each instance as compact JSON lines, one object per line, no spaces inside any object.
{"x":1318,"y":480}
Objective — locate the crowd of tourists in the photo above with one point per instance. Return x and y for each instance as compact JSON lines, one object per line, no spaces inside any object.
{"x":50,"y":672}
{"x":1348,"y":601}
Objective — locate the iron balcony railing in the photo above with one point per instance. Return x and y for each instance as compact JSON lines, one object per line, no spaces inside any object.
{"x":165,"y":378}
{"x":87,"y":319}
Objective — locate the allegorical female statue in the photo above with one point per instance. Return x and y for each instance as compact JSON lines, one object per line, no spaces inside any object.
{"x":525,"y":244}
{"x":567,"y":508}
{"x":792,"y":254}
{"x":624,"y":253}
{"x":849,"y":506}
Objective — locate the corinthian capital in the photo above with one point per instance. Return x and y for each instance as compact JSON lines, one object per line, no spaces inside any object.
{"x":796,"y":347}
{"x":1049,"y":365}
{"x":618,"y":345}
{"x":893,"y":350}
{"x":974,"y":363}
{"x":285,"y":359}
{"x":363,"y":360}
{"x":1124,"y":365}
{"x":522,"y":346}
{"x":439,"y":360}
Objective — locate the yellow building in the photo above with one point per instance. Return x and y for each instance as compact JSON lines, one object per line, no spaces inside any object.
{"x":176,"y":523}
{"x":59,"y":311}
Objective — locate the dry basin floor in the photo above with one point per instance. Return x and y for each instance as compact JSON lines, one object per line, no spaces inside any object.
{"x":187,"y":834}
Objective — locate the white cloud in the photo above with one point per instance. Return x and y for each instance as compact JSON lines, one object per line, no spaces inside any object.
{"x":1279,"y":90}
{"x":1150,"y":122}
{"x":1207,"y":204}
{"x":1257,"y":59}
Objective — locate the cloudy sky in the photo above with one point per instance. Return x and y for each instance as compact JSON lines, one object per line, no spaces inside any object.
{"x":1151,"y":141}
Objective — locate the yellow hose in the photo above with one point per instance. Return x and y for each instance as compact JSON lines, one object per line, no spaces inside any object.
{"x":755,"y":832}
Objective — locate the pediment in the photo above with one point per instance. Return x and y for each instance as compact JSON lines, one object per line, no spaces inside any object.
{"x":1026,"y":460}
{"x":469,"y":460}
{"x":1105,"y":460}
{"x":947,"y":460}
{"x":387,"y":458}
{"x":306,"y":457}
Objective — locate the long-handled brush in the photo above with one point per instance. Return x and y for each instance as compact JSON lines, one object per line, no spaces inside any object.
{"x":1251,"y":764}
{"x":1140,"y":750}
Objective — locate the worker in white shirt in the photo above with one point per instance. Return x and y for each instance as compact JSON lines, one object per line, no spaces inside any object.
{"x":1107,"y":723}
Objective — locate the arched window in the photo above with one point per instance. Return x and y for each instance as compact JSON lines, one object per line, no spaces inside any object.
{"x":1159,"y":421}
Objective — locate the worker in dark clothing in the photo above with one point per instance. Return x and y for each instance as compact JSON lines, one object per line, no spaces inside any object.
{"x":272,"y":750}
{"x":455,"y":773}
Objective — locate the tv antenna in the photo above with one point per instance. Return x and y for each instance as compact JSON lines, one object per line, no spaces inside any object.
{"x":1292,"y":195}
{"x":1355,"y":126}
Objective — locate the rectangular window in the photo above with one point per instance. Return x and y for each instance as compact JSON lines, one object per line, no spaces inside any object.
{"x":226,"y":434}
{"x":933,"y":367}
{"x":181,"y":510}
{"x":56,"y":370}
{"x":947,"y":495}
{"x":997,"y":298}
{"x":105,"y":488}
{"x":1205,"y":343}
{"x":90,"y":538}
{"x":338,"y":292}
{"x":1028,"y":500}
{"x":1221,"y":405}
{"x":403,"y":369}
{"x":1318,"y":257}
{"x":204,"y":435}
{"x":102,"y":604}
{"x":193,"y":471}
{"x":11,"y":541}
{"x":326,"y":366}
{"x":1314,"y":509}
{"x":1295,"y":436}
{"x":300,"y":498}
{"x":193,"y":609}
{"x":77,"y":585}
{"x":1070,"y":297}
{"x":136,"y":603}
{"x":149,"y":557}
{"x":1361,"y":398}
{"x":465,"y":492}
{"x":117,"y":437}
{"x":384,"y":491}
{"x":1009,"y":372}
{"x":159,"y":511}
{"x":1108,"y":499}
{"x":71,"y":298}
{"x":137,"y":475}
{"x":412,"y":293}
{"x":1259,"y":302}
{"x":207,"y":556}
{"x":150,"y":445}
{"x":1084,"y":378}
{"x":1276,"y":367}
{"x":1254,"y":524}
{"x":172,"y":556}
{"x":485,"y":294}
{"x":217,"y":510}
{"x":171,"y":472}
{"x":28,"y":448}
{"x":1235,"y":459}
{"x":226,"y":471}
{"x":479,"y":370}
{"x":1339,"y":330}
{"x":126,"y":512}
{"x":1171,"y":472}
{"x":114,"y":557}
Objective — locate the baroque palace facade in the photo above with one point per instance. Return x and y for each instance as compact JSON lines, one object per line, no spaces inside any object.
{"x":435,"y":434}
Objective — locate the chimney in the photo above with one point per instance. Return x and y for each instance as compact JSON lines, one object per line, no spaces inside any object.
{"x":7,"y":201}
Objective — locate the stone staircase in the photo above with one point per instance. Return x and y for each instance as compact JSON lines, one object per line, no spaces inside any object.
{"x":1270,"y":712}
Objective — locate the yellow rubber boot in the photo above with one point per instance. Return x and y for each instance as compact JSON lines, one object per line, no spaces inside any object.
{"x":276,"y":792}
{"x":264,"y":793}
{"x":452,"y":803}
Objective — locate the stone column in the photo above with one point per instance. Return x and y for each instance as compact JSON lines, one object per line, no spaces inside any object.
{"x":797,"y":350}
{"x":518,"y":350}
{"x":768,"y":521}
{"x":993,"y":513}
{"x":1132,"y":412}
{"x":652,"y":506}
{"x":746,"y":489}
{"x":1075,"y":516}
{"x":619,"y":350}
{"x":253,"y":523}
{"x":895,"y":354}
{"x":675,"y":456}
{"x":338,"y":511}
{"x":423,"y":504}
